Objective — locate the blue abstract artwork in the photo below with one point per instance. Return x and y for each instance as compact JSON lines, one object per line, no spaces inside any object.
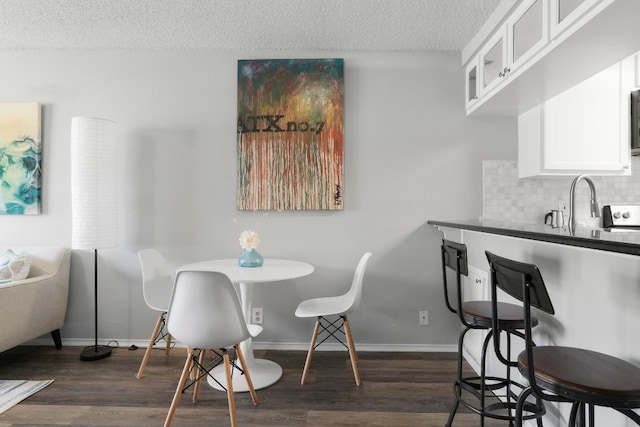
{"x":20,"y":159}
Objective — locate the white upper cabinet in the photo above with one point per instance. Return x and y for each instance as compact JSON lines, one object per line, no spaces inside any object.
{"x":564,"y":13}
{"x":528,"y":32}
{"x":582,"y":130}
{"x":493,"y":61}
{"x":471,"y":87}
{"x":530,"y":51}
{"x":513,"y":44}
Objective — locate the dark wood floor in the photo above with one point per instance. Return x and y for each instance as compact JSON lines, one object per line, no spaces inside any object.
{"x":398,"y":389}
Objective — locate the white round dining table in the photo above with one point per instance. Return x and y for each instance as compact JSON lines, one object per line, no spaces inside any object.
{"x":263,"y":372}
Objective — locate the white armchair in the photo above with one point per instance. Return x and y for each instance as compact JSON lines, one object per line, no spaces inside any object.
{"x":35,"y":306}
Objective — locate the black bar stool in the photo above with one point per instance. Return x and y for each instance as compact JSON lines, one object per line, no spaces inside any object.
{"x":475,"y":392}
{"x":563,"y":374}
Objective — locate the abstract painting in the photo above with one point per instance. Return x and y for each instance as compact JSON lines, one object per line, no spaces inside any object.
{"x":20,"y":158}
{"x":290,"y":141}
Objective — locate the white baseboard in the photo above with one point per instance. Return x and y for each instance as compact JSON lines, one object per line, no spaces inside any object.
{"x":360,"y":347}
{"x":259,"y":345}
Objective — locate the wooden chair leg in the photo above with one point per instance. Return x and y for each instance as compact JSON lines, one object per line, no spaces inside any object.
{"x":193,"y":374}
{"x":247,"y":375}
{"x":307,"y":363}
{"x":352,"y":350}
{"x":176,"y":397}
{"x":152,"y":341}
{"x":168,"y":347}
{"x":199,"y":372}
{"x":230,"y":398}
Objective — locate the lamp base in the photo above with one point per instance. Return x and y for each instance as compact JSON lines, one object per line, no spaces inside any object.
{"x":95,"y":352}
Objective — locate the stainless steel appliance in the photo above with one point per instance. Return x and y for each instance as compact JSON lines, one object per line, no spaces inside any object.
{"x":621,"y":217}
{"x":557,"y":219}
{"x":635,"y":123}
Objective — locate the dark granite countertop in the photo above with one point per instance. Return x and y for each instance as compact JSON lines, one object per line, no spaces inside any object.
{"x":617,"y":241}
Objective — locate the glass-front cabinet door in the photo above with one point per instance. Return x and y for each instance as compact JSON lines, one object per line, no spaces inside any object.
{"x":493,"y":61}
{"x":471,"y":92}
{"x":527,"y":31}
{"x":565,"y":7}
{"x":565,"y":12}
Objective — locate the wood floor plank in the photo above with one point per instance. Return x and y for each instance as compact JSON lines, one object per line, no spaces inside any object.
{"x":398,"y":389}
{"x":327,"y":419}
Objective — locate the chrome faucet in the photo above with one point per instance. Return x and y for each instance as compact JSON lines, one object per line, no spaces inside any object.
{"x":593,"y":203}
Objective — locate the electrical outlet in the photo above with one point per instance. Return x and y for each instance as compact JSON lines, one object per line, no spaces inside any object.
{"x":256,"y":316}
{"x":423,"y":318}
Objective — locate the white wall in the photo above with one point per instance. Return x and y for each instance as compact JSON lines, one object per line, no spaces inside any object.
{"x":411,"y":155}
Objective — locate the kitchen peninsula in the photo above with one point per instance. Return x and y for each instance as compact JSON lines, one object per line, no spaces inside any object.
{"x":626,"y":242}
{"x":593,"y":279}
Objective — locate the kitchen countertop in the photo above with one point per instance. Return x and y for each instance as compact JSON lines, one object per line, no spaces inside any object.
{"x":584,"y":237}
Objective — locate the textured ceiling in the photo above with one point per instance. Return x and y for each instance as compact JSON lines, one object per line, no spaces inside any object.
{"x":369,"y":25}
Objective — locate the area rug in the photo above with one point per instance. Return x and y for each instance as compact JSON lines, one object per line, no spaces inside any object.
{"x":13,"y":392}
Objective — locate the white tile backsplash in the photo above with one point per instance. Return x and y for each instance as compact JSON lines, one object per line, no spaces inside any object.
{"x":510,"y":198}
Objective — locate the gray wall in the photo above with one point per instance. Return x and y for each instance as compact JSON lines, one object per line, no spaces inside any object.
{"x":411,"y":155}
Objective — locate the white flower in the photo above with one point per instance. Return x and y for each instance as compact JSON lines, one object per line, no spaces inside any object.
{"x":249,"y":239}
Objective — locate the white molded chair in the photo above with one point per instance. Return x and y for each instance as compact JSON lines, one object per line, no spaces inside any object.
{"x":157,"y":282}
{"x":205,"y":315}
{"x":340,"y":306}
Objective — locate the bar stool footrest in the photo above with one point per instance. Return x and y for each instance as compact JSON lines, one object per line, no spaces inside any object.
{"x":472,"y":384}
{"x":500,"y":410}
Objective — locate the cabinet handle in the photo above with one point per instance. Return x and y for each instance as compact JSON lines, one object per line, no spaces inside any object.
{"x":504,"y":72}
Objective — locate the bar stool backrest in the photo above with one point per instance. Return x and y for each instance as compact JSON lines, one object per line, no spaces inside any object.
{"x":454,"y":257}
{"x":520,"y":280}
{"x":523,"y":282}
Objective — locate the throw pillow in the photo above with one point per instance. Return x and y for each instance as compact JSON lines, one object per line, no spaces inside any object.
{"x":13,"y":266}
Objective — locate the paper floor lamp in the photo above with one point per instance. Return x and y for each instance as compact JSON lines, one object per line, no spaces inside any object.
{"x":94,"y":199}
